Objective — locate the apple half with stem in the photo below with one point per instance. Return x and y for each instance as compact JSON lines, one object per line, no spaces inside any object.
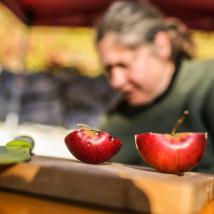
{"x":92,"y":146}
{"x":172,"y":153}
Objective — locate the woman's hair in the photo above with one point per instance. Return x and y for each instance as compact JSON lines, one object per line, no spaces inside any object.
{"x":137,"y":23}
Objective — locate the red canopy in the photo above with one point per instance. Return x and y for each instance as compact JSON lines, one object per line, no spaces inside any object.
{"x":58,"y":12}
{"x":198,"y":14}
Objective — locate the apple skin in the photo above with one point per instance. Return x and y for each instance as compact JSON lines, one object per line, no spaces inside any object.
{"x":92,"y":146}
{"x":172,"y":153}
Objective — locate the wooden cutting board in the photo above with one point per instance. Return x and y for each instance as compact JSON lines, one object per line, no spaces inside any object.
{"x":113,"y":185}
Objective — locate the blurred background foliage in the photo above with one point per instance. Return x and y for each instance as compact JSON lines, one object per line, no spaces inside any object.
{"x":13,"y":37}
{"x":204,"y":42}
{"x":52,"y":47}
{"x":39,"y":48}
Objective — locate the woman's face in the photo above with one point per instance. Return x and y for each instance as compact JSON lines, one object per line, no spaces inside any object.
{"x":139,"y":74}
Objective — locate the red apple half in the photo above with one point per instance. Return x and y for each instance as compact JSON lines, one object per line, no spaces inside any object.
{"x":92,"y":146}
{"x":172,"y":153}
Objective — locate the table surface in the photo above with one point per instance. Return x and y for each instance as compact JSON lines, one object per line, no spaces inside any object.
{"x":19,"y":203}
{"x":119,"y":186}
{"x":30,"y":204}
{"x":110,"y":185}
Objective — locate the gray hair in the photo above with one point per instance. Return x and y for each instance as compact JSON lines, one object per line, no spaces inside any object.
{"x":137,"y":23}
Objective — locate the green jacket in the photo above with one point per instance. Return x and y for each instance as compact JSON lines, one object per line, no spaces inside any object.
{"x":191,"y":89}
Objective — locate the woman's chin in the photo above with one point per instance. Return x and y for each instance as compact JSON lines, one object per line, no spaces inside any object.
{"x":135,"y":101}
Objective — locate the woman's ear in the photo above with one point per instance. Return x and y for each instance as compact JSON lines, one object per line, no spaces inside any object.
{"x":162,"y":45}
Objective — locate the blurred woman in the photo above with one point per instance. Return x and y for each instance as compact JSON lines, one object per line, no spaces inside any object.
{"x":146,"y":57}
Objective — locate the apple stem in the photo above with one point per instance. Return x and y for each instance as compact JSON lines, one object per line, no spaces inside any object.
{"x":179,"y":122}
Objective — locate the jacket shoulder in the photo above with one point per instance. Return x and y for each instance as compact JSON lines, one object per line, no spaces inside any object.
{"x":200,"y":65}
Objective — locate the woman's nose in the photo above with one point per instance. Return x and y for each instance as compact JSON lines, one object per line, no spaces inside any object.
{"x":118,"y":78}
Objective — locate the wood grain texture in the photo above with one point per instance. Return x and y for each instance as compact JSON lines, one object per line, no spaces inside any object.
{"x":113,"y":185}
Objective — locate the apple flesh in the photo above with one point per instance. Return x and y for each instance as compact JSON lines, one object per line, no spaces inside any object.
{"x":92,"y":146}
{"x":171,"y":153}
